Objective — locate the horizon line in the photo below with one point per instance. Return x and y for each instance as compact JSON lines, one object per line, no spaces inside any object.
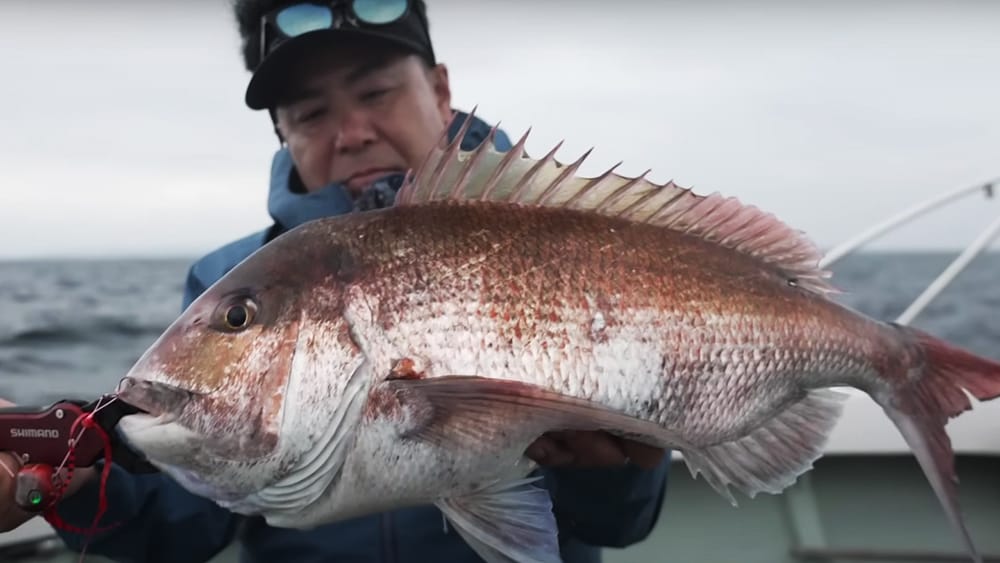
{"x":171,"y":256}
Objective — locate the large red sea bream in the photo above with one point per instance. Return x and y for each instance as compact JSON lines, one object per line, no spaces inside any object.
{"x":410,"y":355}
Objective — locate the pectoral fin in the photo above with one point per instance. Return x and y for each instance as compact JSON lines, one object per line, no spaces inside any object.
{"x":507,"y":523}
{"x":457,"y":408}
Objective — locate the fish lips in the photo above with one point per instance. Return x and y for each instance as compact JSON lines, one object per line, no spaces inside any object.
{"x":153,"y":397}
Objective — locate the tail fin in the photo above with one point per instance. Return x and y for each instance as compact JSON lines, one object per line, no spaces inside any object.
{"x":923,"y":405}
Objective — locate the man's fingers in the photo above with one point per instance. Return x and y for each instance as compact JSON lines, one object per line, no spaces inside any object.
{"x":539,"y":450}
{"x":547,"y":450}
{"x":11,"y":516}
{"x":9,"y":466}
{"x":8,"y":462}
{"x":592,"y":449}
{"x":645,"y":456}
{"x":595,"y":449}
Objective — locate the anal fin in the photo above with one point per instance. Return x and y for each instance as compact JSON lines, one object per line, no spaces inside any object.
{"x":772,"y":456}
{"x":506,"y":523}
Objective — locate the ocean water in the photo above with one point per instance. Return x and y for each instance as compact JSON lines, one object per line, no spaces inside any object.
{"x":71,"y":329}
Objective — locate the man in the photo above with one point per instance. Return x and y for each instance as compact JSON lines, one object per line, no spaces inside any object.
{"x":355,"y":106}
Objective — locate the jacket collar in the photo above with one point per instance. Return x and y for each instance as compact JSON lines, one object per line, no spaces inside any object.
{"x":290,"y":206}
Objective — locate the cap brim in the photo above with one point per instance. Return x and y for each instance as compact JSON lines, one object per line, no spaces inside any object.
{"x":271,"y":78}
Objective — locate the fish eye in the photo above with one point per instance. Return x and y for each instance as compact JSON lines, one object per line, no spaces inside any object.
{"x":239,"y":315}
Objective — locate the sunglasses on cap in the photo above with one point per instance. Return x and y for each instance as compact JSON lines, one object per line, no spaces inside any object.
{"x":294,"y":20}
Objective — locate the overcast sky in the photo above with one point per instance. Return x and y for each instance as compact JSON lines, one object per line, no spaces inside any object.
{"x":124,"y":130}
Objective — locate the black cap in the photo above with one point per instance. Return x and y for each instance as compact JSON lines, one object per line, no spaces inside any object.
{"x":409,"y":32}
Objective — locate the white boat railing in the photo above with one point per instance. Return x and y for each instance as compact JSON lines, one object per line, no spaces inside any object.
{"x":864,"y":428}
{"x":948,"y":274}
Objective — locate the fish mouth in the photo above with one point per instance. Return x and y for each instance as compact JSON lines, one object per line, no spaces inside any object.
{"x":154,"y":398}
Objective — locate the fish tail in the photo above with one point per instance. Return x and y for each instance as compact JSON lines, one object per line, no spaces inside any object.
{"x":947,"y":373}
{"x":934,"y":392}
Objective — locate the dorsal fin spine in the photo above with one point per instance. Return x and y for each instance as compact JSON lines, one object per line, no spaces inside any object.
{"x":570,"y":170}
{"x":668,"y":214}
{"x":450,"y":154}
{"x":477,"y":156}
{"x":631,"y":211}
{"x":724,"y":216}
{"x":754,"y":230}
{"x":486,"y":174}
{"x":655,"y":217}
{"x":590,"y":185}
{"x":701,"y":209}
{"x":514,"y":153}
{"x":737,"y":228}
{"x":711,"y":221}
{"x":517,"y":194}
{"x":412,"y":188}
{"x":616,"y":196}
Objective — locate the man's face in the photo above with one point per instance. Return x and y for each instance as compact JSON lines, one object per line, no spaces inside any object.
{"x":354,"y":115}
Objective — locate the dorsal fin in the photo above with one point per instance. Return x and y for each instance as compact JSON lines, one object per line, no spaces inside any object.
{"x":485,"y":174}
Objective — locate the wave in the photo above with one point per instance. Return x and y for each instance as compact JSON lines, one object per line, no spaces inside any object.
{"x":89,"y":331}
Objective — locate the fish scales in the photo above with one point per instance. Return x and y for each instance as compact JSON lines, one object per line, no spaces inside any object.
{"x":703,"y":341}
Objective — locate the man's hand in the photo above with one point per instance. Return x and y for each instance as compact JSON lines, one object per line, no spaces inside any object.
{"x":592,"y":449}
{"x":11,"y":515}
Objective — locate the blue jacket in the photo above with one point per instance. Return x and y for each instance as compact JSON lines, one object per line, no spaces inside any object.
{"x":160,"y":521}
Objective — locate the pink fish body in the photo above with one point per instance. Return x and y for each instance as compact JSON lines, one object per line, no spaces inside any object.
{"x":409,"y":356}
